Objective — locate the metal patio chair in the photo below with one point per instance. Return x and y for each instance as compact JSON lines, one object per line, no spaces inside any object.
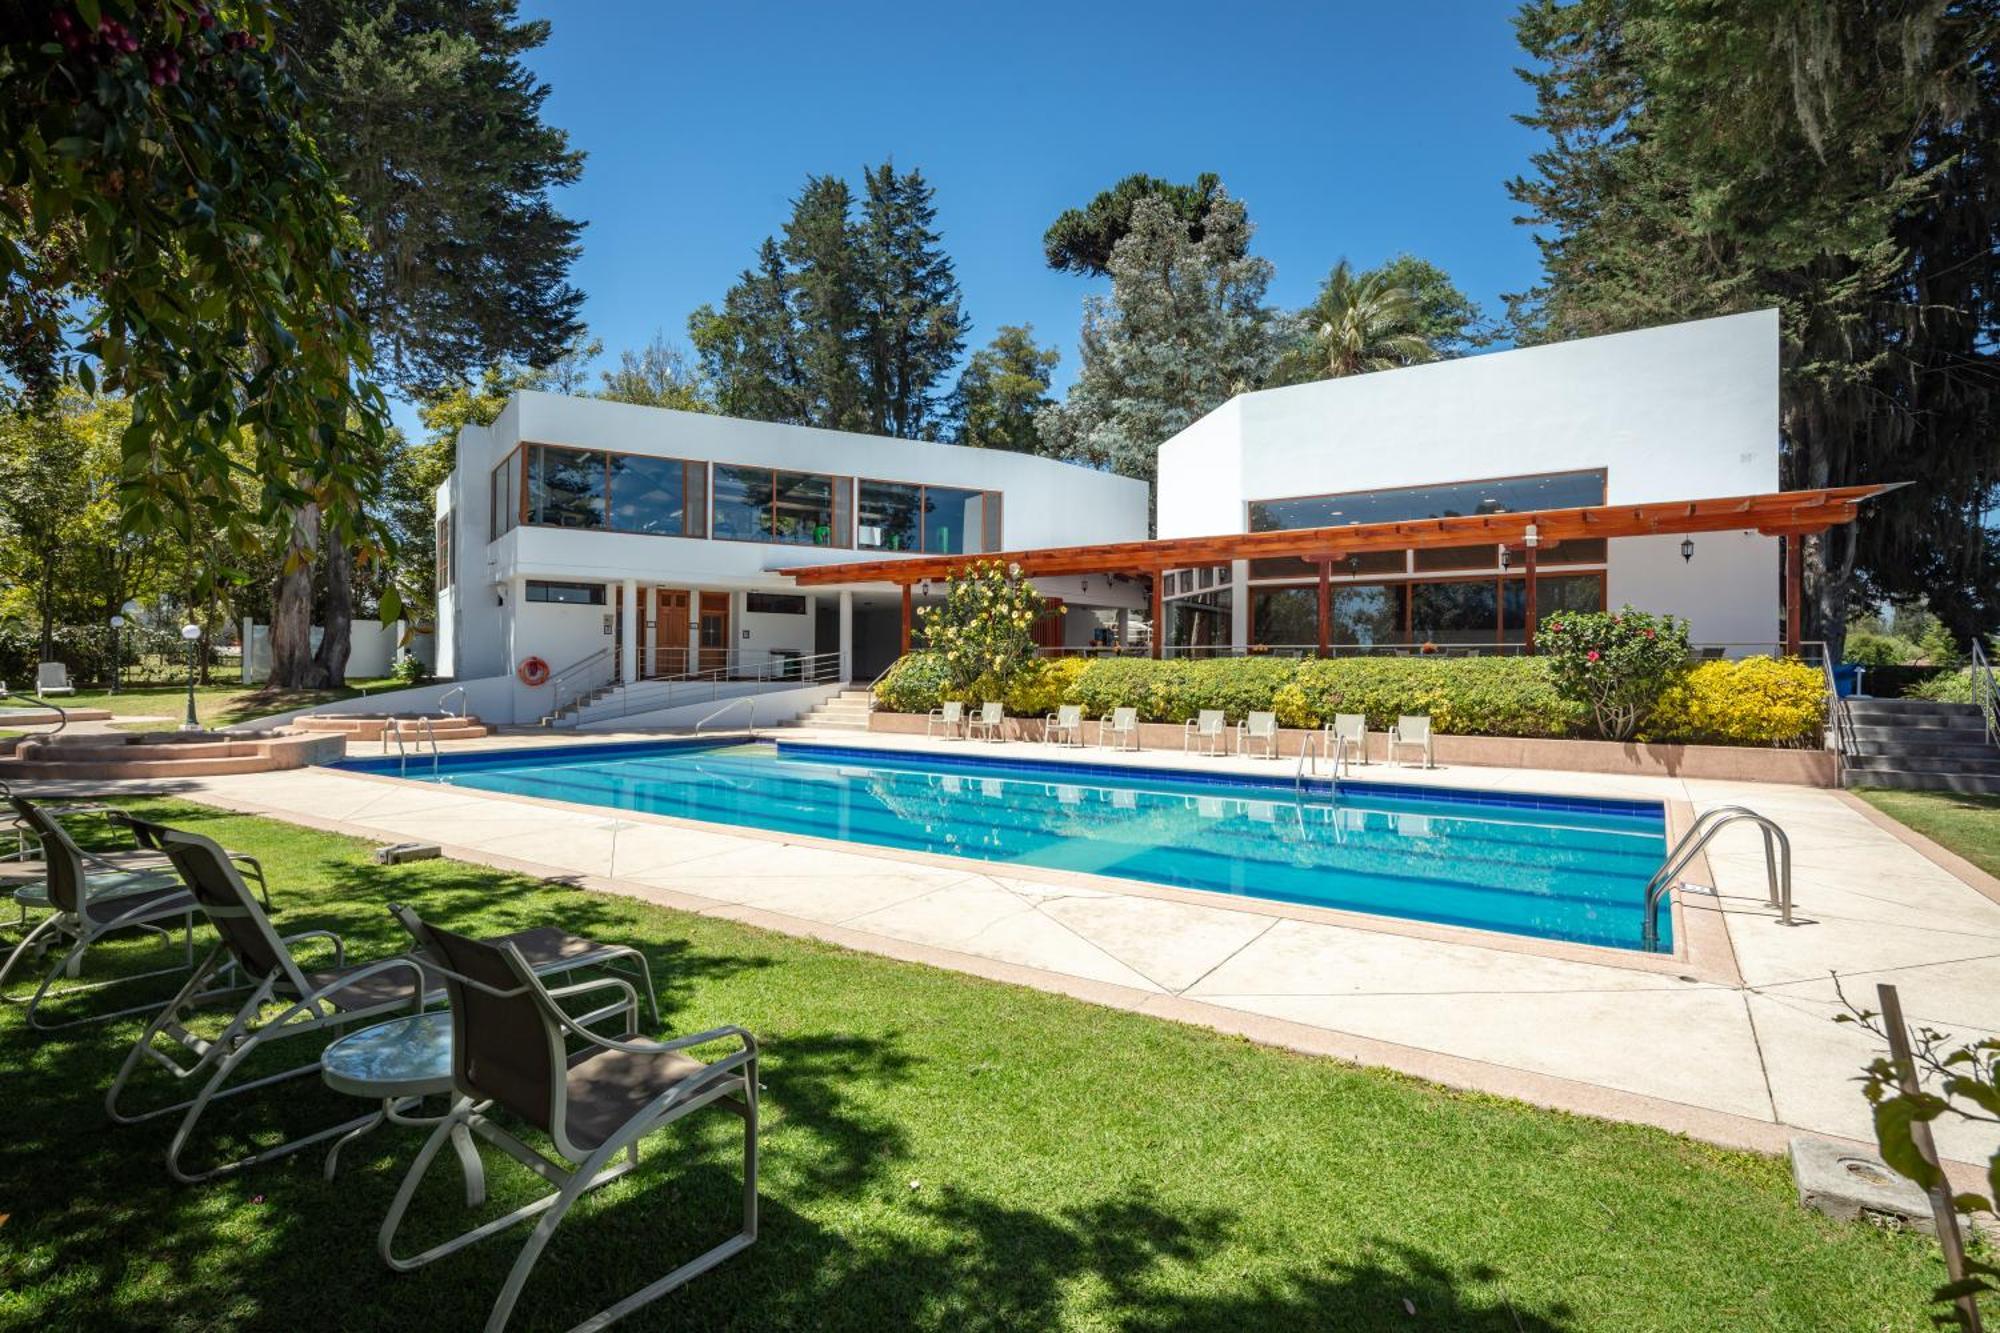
{"x":307,"y":1000}
{"x":1412,"y":732}
{"x":52,"y":678}
{"x":1347,"y":737}
{"x":1119,"y":730}
{"x":951,"y":717}
{"x":992,"y":717}
{"x":511,"y":1054}
{"x":91,"y":896}
{"x":1207,"y":730}
{"x":1258,"y":729}
{"x":1064,"y":726}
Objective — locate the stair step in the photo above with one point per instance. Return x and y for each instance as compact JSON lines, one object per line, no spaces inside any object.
{"x":1908,"y":780}
{"x":1897,"y":711}
{"x":1939,"y":752}
{"x":1924,"y":763}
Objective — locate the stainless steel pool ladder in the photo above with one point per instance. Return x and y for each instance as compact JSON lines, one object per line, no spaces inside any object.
{"x":394,"y":727}
{"x":750,"y":699}
{"x":1777,"y":863}
{"x":458,"y":690}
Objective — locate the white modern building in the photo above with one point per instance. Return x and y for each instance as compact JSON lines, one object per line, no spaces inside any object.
{"x":1682,"y":412}
{"x":612,"y":542}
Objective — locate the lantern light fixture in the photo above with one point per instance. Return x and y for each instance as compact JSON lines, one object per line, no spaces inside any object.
{"x":1687,"y":550}
{"x":1505,"y":555}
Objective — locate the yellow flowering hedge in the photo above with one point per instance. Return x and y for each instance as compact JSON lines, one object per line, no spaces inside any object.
{"x":1754,"y":701}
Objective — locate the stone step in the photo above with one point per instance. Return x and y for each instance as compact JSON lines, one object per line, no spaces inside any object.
{"x":1971,"y":784}
{"x":1895,"y":712}
{"x":1956,"y":731}
{"x":1947,"y":753}
{"x":1989,"y":763}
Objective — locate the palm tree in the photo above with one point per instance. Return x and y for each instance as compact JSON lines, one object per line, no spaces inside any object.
{"x":1364,"y":323}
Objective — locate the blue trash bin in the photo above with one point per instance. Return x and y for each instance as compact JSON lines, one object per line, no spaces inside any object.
{"x":1847,"y":679}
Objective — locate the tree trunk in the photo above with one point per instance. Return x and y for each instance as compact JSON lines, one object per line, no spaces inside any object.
{"x":336,"y":640}
{"x":292,"y":664}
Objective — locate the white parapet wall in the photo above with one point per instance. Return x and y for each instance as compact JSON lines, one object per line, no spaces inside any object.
{"x":490,"y":698}
{"x":772,"y":705}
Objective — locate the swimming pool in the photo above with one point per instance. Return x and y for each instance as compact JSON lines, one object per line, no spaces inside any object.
{"x":1554,"y":867}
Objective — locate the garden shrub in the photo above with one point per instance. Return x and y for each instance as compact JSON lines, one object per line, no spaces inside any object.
{"x":984,"y":629}
{"x":1488,"y":696}
{"x":1614,"y":663}
{"x":1949,"y":687}
{"x":916,"y":684}
{"x":1870,"y":649}
{"x":1755,"y":701}
{"x":1238,"y":686}
{"x":1041,"y":688}
{"x":1156,"y":689}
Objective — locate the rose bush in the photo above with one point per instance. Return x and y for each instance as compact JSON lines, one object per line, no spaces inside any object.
{"x":1616,"y":664}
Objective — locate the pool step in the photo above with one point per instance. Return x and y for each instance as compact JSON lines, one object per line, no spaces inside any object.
{"x":846,"y":711}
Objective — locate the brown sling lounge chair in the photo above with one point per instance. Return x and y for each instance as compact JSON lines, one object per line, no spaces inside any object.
{"x":307,"y":1000}
{"x":509,"y":1053}
{"x":91,"y":896}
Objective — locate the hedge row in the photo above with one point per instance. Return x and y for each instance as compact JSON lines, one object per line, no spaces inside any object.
{"x":1756,"y":701}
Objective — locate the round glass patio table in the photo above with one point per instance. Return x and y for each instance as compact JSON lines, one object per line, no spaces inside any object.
{"x":400,"y":1063}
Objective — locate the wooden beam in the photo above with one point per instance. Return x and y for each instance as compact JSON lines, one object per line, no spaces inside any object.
{"x":906,"y":620}
{"x":1159,"y":634}
{"x":1795,"y":581}
{"x":1325,"y":606}
{"x":1529,"y":640}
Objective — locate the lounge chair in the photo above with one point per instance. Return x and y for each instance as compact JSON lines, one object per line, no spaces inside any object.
{"x":280,"y":997}
{"x":510,"y":1055}
{"x":991,"y":716}
{"x":1258,"y":728}
{"x":1064,"y":726}
{"x":1412,"y":733}
{"x":90,"y":896}
{"x":951,"y":717}
{"x":53,"y":678}
{"x":1346,"y":739}
{"x":1119,"y":729}
{"x":1208,"y":729}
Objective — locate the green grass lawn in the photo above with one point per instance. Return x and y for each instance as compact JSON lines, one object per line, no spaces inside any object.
{"x":1966,"y":824}
{"x":940,"y":1152}
{"x":214,"y":705}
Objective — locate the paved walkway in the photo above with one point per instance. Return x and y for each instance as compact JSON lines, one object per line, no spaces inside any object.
{"x":1736,"y":1044}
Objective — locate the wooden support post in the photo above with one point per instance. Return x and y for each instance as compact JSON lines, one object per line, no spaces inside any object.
{"x":1943,"y":1209}
{"x":1325,"y":605}
{"x":906,"y":619}
{"x":1795,"y":592}
{"x":1529,"y":640}
{"x":1159,"y":623}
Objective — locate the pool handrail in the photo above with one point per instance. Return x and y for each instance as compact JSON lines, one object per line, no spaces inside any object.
{"x":750,"y":699}
{"x":1777,"y":864}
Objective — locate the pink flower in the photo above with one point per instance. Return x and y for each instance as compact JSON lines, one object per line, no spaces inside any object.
{"x":1593,"y":654}
{"x":1649,"y":634}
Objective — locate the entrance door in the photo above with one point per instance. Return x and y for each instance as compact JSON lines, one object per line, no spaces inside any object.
{"x":714,"y":630}
{"x":670,"y":633}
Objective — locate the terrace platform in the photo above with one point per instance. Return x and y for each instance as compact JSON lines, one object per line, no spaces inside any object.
{"x":1738,"y":1047}
{"x":151,"y":755}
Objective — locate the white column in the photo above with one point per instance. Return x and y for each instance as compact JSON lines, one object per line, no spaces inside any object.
{"x":628,"y":651}
{"x":846,"y":637}
{"x":1239,"y":604}
{"x":1124,"y":627}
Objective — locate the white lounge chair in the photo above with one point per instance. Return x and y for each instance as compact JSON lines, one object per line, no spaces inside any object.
{"x":991,"y":716}
{"x":1346,"y":738}
{"x":1412,"y":732}
{"x":1210,"y":729}
{"x":951,"y":717}
{"x":1064,"y":726}
{"x":1119,"y":729}
{"x":53,"y":678}
{"x":1258,"y":728}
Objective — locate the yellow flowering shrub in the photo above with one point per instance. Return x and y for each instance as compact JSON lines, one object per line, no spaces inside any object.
{"x":1755,"y":701}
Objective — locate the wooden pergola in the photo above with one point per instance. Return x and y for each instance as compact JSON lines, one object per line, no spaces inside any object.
{"x":1792,"y":515}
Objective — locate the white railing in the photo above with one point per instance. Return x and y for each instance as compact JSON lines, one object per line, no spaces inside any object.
{"x":746,"y":699}
{"x":579,"y":678}
{"x":1985,"y":691}
{"x":655,"y":695}
{"x":458,"y":690}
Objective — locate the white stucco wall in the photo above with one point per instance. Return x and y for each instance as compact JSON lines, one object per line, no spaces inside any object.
{"x":1686,"y":411}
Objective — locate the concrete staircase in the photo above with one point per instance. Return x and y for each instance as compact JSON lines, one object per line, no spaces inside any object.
{"x":846,"y":711}
{"x":1917,"y":744}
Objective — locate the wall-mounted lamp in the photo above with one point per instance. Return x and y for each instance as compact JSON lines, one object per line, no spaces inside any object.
{"x":1504,"y":555}
{"x":1687,"y":550}
{"x":1354,"y":564}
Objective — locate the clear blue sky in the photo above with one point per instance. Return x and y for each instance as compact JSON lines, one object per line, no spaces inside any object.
{"x":1352,"y":129}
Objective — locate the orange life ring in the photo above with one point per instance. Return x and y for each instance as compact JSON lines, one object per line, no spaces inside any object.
{"x":533,"y":671}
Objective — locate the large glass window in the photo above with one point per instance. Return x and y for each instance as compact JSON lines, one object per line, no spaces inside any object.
{"x":1561,"y":592}
{"x":649,"y":494}
{"x":1506,"y":495}
{"x":802,"y":510}
{"x":566,"y":594}
{"x":1199,"y":624}
{"x":1284,"y":616}
{"x":444,"y":566}
{"x":506,"y":507}
{"x":565,"y":487}
{"x":891,"y":516}
{"x":1368,"y":613}
{"x":954,"y":520}
{"x":1467,"y":612}
{"x":742,"y":503}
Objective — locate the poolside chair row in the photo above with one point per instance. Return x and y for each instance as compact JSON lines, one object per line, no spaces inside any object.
{"x":516,"y":1050}
{"x":1208,"y":733}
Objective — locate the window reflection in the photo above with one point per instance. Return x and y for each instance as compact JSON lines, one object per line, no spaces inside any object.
{"x":1555,"y":490}
{"x":565,"y":487}
{"x":1466,"y":612}
{"x":742,"y":502}
{"x":891,"y":516}
{"x":954,"y":521}
{"x":648,"y":494}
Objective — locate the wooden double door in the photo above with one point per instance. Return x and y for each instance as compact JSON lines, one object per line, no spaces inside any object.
{"x":678,"y":617}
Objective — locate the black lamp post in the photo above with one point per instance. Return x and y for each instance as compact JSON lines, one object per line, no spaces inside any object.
{"x":191,"y":633}
{"x":117,"y":623}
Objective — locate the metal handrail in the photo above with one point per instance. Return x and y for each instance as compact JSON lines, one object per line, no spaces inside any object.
{"x":1305,"y":755}
{"x":1985,"y":690}
{"x":652,"y":695}
{"x":426,"y":731}
{"x":1777,"y":864}
{"x":392,"y":728}
{"x":750,"y":699}
{"x":1839,"y":724}
{"x":62,"y":714}
{"x":458,"y":690}
{"x":556,"y":680}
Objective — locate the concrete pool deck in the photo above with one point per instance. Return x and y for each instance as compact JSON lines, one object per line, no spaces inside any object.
{"x":1744,"y":1053}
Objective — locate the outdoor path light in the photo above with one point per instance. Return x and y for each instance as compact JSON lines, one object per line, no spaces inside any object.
{"x":191,"y":633}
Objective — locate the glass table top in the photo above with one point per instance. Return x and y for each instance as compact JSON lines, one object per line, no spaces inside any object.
{"x":404,"y":1057}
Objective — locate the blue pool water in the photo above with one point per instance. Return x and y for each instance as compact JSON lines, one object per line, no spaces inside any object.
{"x":1559,"y":868}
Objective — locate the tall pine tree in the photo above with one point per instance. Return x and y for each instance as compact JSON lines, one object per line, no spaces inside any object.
{"x":916,"y":324}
